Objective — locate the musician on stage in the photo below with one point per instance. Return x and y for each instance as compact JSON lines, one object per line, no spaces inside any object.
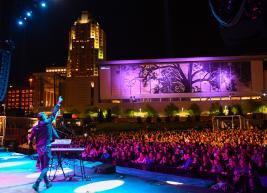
{"x":44,"y":133}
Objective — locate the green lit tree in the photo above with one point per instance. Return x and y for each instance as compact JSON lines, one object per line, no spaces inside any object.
{"x":216,"y":109}
{"x":129,"y":112}
{"x":194,"y":109}
{"x":116,"y":110}
{"x":151,"y":112}
{"x":91,"y":110}
{"x":171,"y":110}
{"x":251,"y":106}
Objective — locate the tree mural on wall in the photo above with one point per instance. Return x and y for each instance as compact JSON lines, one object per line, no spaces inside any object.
{"x":188,"y":77}
{"x":130,"y":77}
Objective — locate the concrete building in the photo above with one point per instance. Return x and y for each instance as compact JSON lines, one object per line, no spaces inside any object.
{"x":182,"y":81}
{"x":60,"y":70}
{"x":47,"y":87}
{"x":19,"y":98}
{"x":80,"y":93}
{"x":87,"y":47}
{"x":78,"y":82}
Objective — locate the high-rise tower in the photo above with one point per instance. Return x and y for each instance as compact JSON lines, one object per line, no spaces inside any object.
{"x":87,"y":47}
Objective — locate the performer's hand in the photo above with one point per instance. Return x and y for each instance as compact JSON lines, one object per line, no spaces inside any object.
{"x":60,"y":99}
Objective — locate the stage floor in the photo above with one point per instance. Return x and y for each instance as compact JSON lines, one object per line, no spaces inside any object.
{"x":18,"y":172}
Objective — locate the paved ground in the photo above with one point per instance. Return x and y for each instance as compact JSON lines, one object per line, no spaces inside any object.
{"x":18,"y":172}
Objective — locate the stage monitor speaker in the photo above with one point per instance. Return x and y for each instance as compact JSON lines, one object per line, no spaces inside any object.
{"x":67,"y":115}
{"x":105,"y":169}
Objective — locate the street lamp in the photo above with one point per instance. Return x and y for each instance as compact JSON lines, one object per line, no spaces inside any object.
{"x":30,"y":82}
{"x":4,"y":108}
{"x":132,"y":100}
{"x":263,"y":94}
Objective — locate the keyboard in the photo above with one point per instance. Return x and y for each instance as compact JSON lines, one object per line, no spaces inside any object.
{"x":61,"y":142}
{"x":59,"y":149}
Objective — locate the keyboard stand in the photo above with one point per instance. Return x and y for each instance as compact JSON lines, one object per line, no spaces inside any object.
{"x":59,"y":165}
{"x":82,"y":169}
{"x":84,"y":177}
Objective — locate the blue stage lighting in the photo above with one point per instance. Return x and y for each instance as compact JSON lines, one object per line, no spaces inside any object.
{"x":43,"y":4}
{"x":52,"y":173}
{"x":29,"y":13}
{"x":13,"y":164}
{"x":20,"y":22}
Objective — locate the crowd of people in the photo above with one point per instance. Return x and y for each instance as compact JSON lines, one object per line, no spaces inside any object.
{"x":236,"y":157}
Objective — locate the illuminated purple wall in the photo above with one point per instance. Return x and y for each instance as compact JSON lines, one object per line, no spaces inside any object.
{"x":154,"y":79}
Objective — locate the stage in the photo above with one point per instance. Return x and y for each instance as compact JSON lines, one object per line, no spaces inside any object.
{"x":18,"y":172}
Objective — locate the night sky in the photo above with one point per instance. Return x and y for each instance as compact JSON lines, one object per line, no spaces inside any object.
{"x":135,"y":29}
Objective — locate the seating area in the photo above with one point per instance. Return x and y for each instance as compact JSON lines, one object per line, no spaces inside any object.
{"x":231,"y":156}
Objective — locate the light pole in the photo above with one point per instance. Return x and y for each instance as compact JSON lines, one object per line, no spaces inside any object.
{"x":30,"y":82}
{"x":132,"y":100}
{"x":4,"y":108}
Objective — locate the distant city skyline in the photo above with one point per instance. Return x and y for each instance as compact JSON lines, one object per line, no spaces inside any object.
{"x":135,"y":30}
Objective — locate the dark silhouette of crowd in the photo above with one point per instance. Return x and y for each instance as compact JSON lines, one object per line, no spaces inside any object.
{"x":234,"y":157}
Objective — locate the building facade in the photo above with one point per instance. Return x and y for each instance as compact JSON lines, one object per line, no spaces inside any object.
{"x":47,"y":87}
{"x":19,"y":99}
{"x":87,"y":47}
{"x":60,"y":70}
{"x":182,"y":81}
{"x":80,"y":93}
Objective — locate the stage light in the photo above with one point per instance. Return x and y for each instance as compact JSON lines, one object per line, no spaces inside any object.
{"x":29,"y":13}
{"x":20,"y":22}
{"x":174,"y":183}
{"x":99,"y":186}
{"x":43,"y":4}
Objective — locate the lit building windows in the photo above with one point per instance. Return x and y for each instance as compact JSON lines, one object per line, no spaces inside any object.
{"x":235,"y":98}
{"x":84,"y":49}
{"x":18,"y":98}
{"x":255,"y":97}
